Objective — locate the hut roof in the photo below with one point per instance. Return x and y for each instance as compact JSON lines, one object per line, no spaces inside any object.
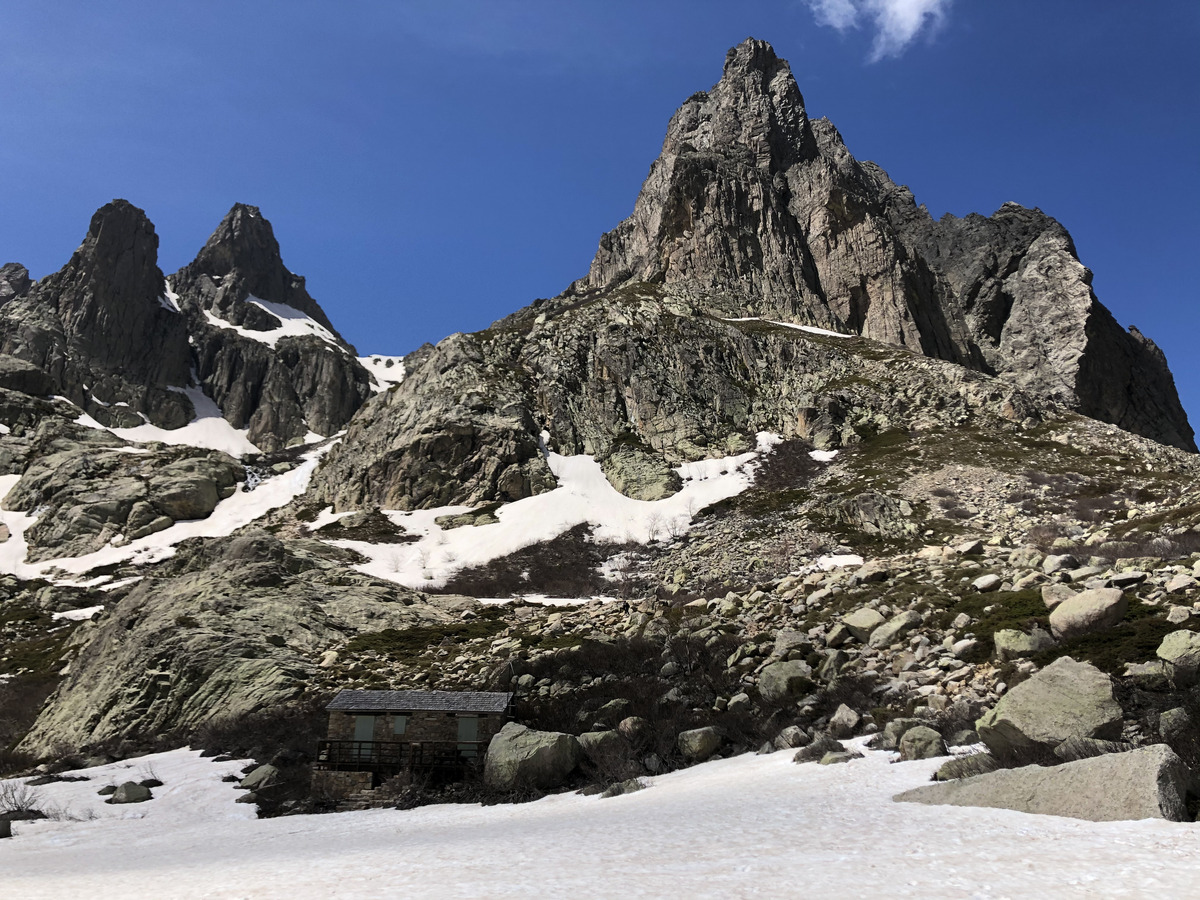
{"x":431,"y":701}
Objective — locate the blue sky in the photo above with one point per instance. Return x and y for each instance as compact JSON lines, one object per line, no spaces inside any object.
{"x":432,"y":166}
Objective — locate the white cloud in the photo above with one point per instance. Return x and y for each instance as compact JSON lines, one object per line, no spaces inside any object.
{"x":896,"y":22}
{"x":839,"y":14}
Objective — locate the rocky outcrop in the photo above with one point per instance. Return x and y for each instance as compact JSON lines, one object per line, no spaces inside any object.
{"x":241,"y":624}
{"x":1147,"y":783}
{"x":1088,"y":611}
{"x":635,"y":368}
{"x":14,"y":282}
{"x":89,"y":491}
{"x":640,"y":474}
{"x":1180,"y":650}
{"x":100,"y":329}
{"x":237,"y":295}
{"x":760,"y":211}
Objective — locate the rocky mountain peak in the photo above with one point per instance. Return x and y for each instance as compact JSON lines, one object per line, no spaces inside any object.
{"x":751,"y":209}
{"x":117,"y":263}
{"x":244,"y":240}
{"x":755,"y":112}
{"x":242,"y":259}
{"x":100,"y":329}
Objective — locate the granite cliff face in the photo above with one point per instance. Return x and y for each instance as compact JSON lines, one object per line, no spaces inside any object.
{"x":768,"y":210}
{"x":100,"y":330}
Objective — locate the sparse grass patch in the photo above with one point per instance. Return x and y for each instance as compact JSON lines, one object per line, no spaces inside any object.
{"x":567,"y":566}
{"x":1020,"y":610}
{"x":407,"y":643}
{"x":1135,"y":639}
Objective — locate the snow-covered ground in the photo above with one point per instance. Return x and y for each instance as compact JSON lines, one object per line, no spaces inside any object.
{"x":583,"y":495}
{"x":750,"y":826}
{"x":232,"y":513}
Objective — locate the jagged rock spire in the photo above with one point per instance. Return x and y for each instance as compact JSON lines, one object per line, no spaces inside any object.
{"x":98,"y":329}
{"x":752,"y":209}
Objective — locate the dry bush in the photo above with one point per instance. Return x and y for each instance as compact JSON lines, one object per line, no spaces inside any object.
{"x":290,"y":731}
{"x":20,"y":801}
{"x":787,"y":467}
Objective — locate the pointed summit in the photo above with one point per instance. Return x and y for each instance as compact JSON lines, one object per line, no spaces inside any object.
{"x":244,"y":240}
{"x":753,"y":210}
{"x":714,"y":209}
{"x":754,"y":113}
{"x":242,"y":259}
{"x":118,"y":259}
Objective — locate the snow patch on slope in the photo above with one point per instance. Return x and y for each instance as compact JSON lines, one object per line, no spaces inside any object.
{"x":583,"y":495}
{"x":232,"y":513}
{"x":292,"y":323}
{"x":385,"y":371}
{"x":210,"y":429}
{"x":811,"y":329}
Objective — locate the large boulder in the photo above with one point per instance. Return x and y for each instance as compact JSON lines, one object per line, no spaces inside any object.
{"x":1067,"y":699}
{"x":1181,"y":652}
{"x":1012,"y":644}
{"x":862,"y":622}
{"x":261,"y":777}
{"x":783,"y":680}
{"x":1147,"y":783}
{"x":1088,"y":611}
{"x":894,"y":629}
{"x":520,"y":757}
{"x":698,"y":744}
{"x":600,"y":746}
{"x":893,"y":731}
{"x":130,"y":792}
{"x":640,"y":473}
{"x":921,"y":742}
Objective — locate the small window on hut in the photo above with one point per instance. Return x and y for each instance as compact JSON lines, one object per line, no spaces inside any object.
{"x":400,"y":724}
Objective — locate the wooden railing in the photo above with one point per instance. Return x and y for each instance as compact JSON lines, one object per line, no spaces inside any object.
{"x":369,"y":756}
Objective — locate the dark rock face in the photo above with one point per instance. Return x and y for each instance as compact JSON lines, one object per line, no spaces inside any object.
{"x":110,"y":335}
{"x":99,"y":329}
{"x":769,"y":213}
{"x":14,"y":282}
{"x":280,"y":390}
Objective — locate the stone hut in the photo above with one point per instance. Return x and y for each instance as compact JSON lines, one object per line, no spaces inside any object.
{"x":381,"y":734}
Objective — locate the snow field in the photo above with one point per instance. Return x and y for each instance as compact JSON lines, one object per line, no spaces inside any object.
{"x":750,"y":826}
{"x":583,"y":495}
